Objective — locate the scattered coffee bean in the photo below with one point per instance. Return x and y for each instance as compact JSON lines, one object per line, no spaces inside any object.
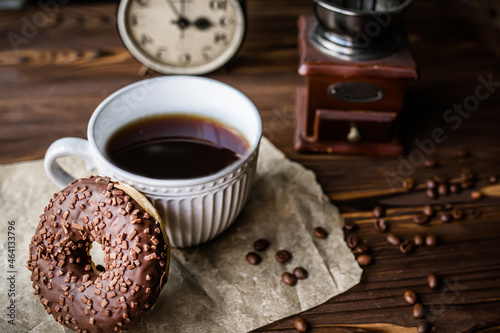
{"x":283,"y":256}
{"x":433,"y":281}
{"x":418,"y":311}
{"x":300,"y":273}
{"x":410,"y":296}
{"x":378,"y":211}
{"x":380,"y":225}
{"x":430,"y":193}
{"x":476,"y":195}
{"x":463,"y":153}
{"x":253,"y":258}
{"x":350,"y":225}
{"x":408,"y":183}
{"x":260,"y":244}
{"x":289,"y":278}
{"x":423,"y":327}
{"x":440,"y":178}
{"x":418,"y":240}
{"x":300,"y":324}
{"x":457,"y":213}
{"x":443,"y":190}
{"x":364,"y":260}
{"x":430,"y":183}
{"x":454,"y":188}
{"x":492,"y":179}
{"x":430,"y":162}
{"x":427,"y":210}
{"x":445,"y":217}
{"x":448,"y":206}
{"x":352,"y":241}
{"x":393,"y":239}
{"x":420,"y":219}
{"x":431,"y":240}
{"x":320,"y":232}
{"x":360,"y":249}
{"x":406,"y":246}
{"x":466,"y":174}
{"x":467,"y":184}
{"x":474,"y":213}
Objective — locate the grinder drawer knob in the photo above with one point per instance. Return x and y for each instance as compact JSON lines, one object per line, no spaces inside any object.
{"x":353,"y":136}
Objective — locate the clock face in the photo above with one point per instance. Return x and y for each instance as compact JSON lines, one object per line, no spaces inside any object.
{"x":181,"y":36}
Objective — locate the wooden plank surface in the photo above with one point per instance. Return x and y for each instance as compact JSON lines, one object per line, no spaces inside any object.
{"x":51,"y":84}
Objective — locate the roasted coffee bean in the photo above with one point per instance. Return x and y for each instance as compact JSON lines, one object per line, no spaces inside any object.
{"x":300,"y":324}
{"x":492,"y":179}
{"x":418,"y":240}
{"x":420,"y":219}
{"x":360,"y":249}
{"x":457,"y":213}
{"x":423,"y":327}
{"x":408,"y":183}
{"x":463,"y":153}
{"x":445,"y":217}
{"x":428,"y":211}
{"x":352,"y":241}
{"x":378,"y":211}
{"x":430,"y":162}
{"x":283,"y":256}
{"x":473,"y":213}
{"x":440,"y":178}
{"x":432,"y":281}
{"x":364,"y":260}
{"x":454,"y":188}
{"x":380,"y":225}
{"x":320,"y":232}
{"x":431,"y":193}
{"x":261,"y":244}
{"x":443,"y":189}
{"x":476,"y":195}
{"x":466,"y":174}
{"x":253,"y":258}
{"x":467,"y":184}
{"x":418,"y":311}
{"x":289,"y":278}
{"x":350,"y":225}
{"x":300,"y":273}
{"x":393,"y":239}
{"x":431,"y":240}
{"x":406,"y":246}
{"x":410,"y":296}
{"x":430,"y":183}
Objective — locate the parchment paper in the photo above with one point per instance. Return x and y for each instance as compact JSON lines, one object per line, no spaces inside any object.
{"x":211,"y":288}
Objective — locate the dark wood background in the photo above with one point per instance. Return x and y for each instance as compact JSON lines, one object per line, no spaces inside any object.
{"x":50,"y":86}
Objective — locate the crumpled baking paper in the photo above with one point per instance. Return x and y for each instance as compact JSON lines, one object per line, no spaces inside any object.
{"x":211,"y":287}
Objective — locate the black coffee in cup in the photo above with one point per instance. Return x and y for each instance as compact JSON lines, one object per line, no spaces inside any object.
{"x":175,"y":146}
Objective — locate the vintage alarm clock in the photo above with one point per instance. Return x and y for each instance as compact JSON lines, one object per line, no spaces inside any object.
{"x":182,"y":36}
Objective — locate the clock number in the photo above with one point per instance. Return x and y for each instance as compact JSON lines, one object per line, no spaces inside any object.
{"x":134,"y":20}
{"x":145,"y":39}
{"x":225,"y":21}
{"x":205,"y":52}
{"x":160,"y":52}
{"x":220,"y":37}
{"x":184,"y":59}
{"x":143,"y":3}
{"x":218,"y":4}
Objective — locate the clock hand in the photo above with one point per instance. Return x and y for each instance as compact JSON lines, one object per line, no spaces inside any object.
{"x":172,"y":7}
{"x":202,"y":23}
{"x":183,"y":15}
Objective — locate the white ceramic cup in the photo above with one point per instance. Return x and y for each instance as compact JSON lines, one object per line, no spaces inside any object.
{"x":193,"y":210}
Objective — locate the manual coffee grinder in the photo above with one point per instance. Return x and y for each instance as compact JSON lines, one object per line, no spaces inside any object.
{"x":356,"y":60}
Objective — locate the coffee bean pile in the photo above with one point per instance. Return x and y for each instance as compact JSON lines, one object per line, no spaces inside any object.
{"x":283,"y":256}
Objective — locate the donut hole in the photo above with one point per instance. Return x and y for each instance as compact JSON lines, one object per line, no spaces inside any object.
{"x":97,"y":257}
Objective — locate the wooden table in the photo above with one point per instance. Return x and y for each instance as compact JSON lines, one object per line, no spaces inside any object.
{"x":51,"y":85}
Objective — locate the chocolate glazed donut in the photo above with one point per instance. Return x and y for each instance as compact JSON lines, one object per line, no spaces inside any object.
{"x":136,"y":248}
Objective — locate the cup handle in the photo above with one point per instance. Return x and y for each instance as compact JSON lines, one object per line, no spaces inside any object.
{"x":64,"y":147}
